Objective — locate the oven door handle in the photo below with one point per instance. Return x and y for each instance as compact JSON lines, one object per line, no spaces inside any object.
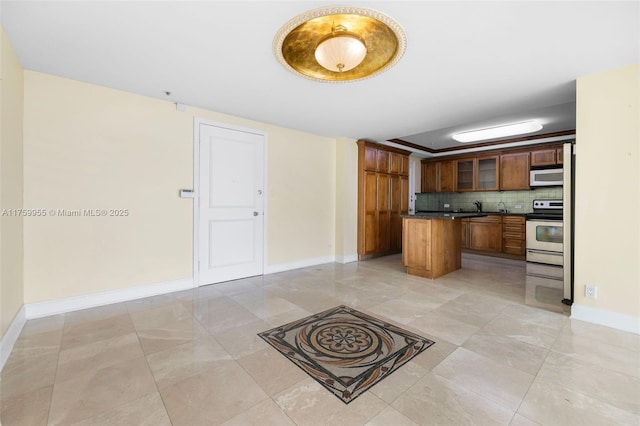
{"x":552,"y":253}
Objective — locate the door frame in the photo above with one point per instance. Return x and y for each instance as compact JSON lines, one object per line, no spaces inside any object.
{"x":196,"y":189}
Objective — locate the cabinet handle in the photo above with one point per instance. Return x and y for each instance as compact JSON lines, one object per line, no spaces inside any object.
{"x":255,"y":213}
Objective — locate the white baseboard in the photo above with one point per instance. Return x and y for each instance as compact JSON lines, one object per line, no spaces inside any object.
{"x":11,"y":336}
{"x":607,"y":318}
{"x":70,"y":304}
{"x":347,"y":258}
{"x":272,"y":269}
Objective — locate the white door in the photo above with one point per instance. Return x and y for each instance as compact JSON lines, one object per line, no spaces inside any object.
{"x":231,"y":204}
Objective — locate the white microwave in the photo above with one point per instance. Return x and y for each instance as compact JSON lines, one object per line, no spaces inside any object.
{"x":546,"y":177}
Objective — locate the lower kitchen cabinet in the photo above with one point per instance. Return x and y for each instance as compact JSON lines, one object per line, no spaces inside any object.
{"x":495,"y":234}
{"x":514,"y":235}
{"x":431,"y":247}
{"x":465,"y":233}
{"x":485,"y":233}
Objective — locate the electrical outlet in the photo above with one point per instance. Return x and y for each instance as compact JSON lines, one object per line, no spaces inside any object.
{"x":446,"y":206}
{"x":591,"y":291}
{"x":517,"y":206}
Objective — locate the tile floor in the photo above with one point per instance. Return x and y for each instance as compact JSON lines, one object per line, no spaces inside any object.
{"x":193,"y":357}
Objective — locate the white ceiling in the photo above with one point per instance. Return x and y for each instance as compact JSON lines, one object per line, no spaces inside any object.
{"x":467,"y":64}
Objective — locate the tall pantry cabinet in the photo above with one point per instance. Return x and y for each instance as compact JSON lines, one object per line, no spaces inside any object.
{"x":383,"y":197}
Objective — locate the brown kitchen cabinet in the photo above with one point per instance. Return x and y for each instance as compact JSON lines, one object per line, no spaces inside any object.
{"x":438,"y":176}
{"x":544,"y":157}
{"x":399,"y":202}
{"x":395,"y":163}
{"x":383,"y":197}
{"x":514,"y":171}
{"x":368,"y":214}
{"x":486,"y":173}
{"x":465,"y":171}
{"x":464,"y":241}
{"x":499,"y":170}
{"x":398,"y":164}
{"x":369,"y":157}
{"x":446,"y":176}
{"x":430,"y":178}
{"x":383,"y":207}
{"x":513,"y":235}
{"x":495,"y":234}
{"x":485,"y":233}
{"x":431,"y":247}
{"x":477,"y":174}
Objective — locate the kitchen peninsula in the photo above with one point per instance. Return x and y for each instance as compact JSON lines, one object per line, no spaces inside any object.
{"x":431,"y":245}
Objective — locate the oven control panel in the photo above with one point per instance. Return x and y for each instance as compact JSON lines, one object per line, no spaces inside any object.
{"x":547,"y":204}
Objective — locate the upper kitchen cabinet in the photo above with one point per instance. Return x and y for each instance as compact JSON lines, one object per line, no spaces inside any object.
{"x":477,"y":174}
{"x":430,"y":182}
{"x":385,"y":161}
{"x":487,"y":176}
{"x":447,"y":175}
{"x":369,"y":157}
{"x":514,"y":171}
{"x":398,"y":164}
{"x":464,"y":174}
{"x":545,"y":157}
{"x":438,"y":176}
{"x":496,"y":170}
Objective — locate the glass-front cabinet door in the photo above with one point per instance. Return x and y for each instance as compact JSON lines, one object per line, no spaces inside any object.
{"x":464,"y":175}
{"x":487,"y":173}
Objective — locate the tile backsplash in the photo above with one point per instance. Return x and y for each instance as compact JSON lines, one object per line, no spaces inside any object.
{"x":490,"y":199}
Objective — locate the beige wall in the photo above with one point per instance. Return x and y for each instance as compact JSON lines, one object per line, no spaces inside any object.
{"x":417,"y":173}
{"x":607,"y":229}
{"x":87,"y":147}
{"x":11,"y":255}
{"x":301,"y":196}
{"x":346,"y":200}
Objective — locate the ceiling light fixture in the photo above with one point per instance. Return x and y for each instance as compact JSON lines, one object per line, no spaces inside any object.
{"x":340,"y":50}
{"x":498,"y":131}
{"x":339,"y":44}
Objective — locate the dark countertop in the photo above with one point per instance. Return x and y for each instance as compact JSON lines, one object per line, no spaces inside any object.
{"x":444,"y":215}
{"x":507,"y":213}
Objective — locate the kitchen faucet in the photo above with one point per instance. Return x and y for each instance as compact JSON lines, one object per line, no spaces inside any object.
{"x":478,"y":206}
{"x":503,"y":209}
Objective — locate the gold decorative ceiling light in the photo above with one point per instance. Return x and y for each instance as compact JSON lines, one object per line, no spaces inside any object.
{"x":339,"y":44}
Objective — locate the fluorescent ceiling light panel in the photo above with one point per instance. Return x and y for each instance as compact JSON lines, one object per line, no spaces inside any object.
{"x":498,"y":131}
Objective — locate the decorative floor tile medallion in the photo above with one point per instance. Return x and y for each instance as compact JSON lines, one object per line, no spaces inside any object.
{"x":345,"y":350}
